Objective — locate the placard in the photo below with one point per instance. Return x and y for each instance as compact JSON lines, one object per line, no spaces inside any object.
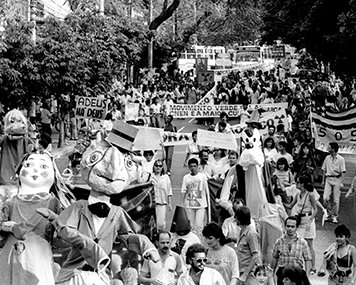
{"x":148,"y":139}
{"x":91,"y":107}
{"x":131,"y":111}
{"x":217,"y":140}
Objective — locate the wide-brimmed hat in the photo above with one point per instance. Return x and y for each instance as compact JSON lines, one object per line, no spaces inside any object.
{"x":255,"y":119}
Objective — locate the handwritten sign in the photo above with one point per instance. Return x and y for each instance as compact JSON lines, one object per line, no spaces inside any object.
{"x":218,"y":140}
{"x":91,"y":107}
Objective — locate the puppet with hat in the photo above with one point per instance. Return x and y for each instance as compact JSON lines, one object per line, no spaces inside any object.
{"x":91,"y":226}
{"x":14,"y":145}
{"x":252,"y":160}
{"x":26,"y":256}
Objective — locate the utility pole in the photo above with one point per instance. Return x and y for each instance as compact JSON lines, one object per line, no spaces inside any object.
{"x":150,"y":46}
{"x":31,"y":17}
{"x":101,"y":7}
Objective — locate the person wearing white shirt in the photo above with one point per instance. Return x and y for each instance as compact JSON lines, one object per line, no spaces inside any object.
{"x":198,"y":273}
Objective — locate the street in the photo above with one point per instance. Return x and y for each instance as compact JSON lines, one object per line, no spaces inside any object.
{"x":325,"y":235}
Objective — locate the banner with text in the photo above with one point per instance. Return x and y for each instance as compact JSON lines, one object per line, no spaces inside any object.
{"x":212,"y":111}
{"x":217,"y":140}
{"x":267,"y":119}
{"x":337,"y":127}
{"x":91,"y":107}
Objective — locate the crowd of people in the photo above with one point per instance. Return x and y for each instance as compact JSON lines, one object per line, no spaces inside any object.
{"x":228,"y":251}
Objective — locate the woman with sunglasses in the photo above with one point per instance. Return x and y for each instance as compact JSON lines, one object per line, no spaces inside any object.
{"x":163,"y":193}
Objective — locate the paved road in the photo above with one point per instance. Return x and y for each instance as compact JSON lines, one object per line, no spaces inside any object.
{"x":325,"y":234}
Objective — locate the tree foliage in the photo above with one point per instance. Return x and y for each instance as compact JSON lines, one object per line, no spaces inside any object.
{"x":80,"y":55}
{"x":324,"y":27}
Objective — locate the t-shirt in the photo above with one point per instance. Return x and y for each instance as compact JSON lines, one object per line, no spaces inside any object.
{"x":196,"y":191}
{"x":224,"y":260}
{"x":45,"y":116}
{"x":287,"y":156}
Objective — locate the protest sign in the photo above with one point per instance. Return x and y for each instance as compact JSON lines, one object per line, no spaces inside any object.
{"x":172,"y":139}
{"x":148,"y":139}
{"x":212,"y":111}
{"x":337,"y":127}
{"x":131,"y":111}
{"x":91,"y":107}
{"x":205,"y":77}
{"x":217,"y":140}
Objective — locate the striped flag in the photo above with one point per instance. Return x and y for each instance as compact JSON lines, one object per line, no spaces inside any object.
{"x":337,"y":127}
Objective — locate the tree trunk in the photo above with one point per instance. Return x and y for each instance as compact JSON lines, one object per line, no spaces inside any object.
{"x":165,"y":15}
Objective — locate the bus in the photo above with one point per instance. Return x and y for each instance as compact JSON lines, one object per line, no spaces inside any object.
{"x":187,"y":58}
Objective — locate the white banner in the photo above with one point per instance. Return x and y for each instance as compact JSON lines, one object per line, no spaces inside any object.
{"x":267,"y":119}
{"x":212,"y":111}
{"x":217,"y":140}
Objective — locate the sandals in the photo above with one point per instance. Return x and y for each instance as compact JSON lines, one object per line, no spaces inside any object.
{"x":312,"y":271}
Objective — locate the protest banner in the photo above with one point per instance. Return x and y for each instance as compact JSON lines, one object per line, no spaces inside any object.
{"x":208,"y":98}
{"x":213,"y":111}
{"x":172,"y":139}
{"x":148,"y":139}
{"x":91,"y":107}
{"x":201,"y":64}
{"x":217,"y":140}
{"x":131,"y":111}
{"x":266,"y":119}
{"x":337,"y":127}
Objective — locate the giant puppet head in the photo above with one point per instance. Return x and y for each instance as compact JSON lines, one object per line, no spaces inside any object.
{"x":38,"y":173}
{"x":107,"y":170}
{"x":15,"y":124}
{"x":251,"y":141}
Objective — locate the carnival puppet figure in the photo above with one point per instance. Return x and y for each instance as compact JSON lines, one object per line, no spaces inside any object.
{"x":14,"y":144}
{"x":252,"y":160}
{"x":91,"y":226}
{"x":26,"y":256}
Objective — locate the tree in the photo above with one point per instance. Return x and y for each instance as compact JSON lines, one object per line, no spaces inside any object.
{"x":323,"y":27}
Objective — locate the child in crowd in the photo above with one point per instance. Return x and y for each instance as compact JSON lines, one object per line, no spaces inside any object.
{"x":192,"y":149}
{"x":195,"y":197}
{"x":264,"y":275}
{"x":146,"y":162}
{"x":282,"y":179}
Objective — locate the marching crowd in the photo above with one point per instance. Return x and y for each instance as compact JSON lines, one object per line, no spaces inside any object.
{"x":228,"y":251}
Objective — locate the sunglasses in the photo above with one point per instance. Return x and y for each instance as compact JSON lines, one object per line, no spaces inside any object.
{"x":201,"y":260}
{"x":159,"y":165}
